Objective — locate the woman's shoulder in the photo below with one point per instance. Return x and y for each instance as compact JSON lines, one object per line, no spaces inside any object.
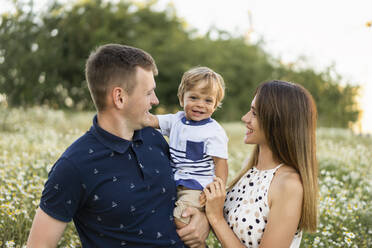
{"x":287,"y":181}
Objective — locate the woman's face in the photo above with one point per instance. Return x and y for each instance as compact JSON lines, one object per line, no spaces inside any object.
{"x":254,"y":134}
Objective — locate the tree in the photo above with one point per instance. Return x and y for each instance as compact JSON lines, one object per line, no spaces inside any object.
{"x":42,"y":58}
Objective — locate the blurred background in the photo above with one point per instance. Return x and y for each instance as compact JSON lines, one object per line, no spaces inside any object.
{"x":323,"y":45}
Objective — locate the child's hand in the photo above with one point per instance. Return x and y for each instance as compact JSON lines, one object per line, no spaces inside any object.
{"x":202,"y":199}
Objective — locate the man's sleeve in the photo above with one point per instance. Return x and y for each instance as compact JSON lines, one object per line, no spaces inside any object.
{"x":62,"y":191}
{"x":217,"y":144}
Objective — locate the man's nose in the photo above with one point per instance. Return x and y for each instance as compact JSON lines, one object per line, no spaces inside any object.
{"x":155,"y":100}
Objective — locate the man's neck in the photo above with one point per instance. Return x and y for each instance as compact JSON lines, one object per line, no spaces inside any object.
{"x":114,"y":124}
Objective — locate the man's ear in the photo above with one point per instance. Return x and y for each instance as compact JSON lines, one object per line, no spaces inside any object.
{"x":119,"y":97}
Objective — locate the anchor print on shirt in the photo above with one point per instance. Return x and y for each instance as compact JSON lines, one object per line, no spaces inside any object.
{"x":132,"y":186}
{"x":132,"y":209}
{"x":95,"y":198}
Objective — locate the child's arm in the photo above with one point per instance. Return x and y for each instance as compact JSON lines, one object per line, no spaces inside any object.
{"x":221,"y":168}
{"x":153,"y":121}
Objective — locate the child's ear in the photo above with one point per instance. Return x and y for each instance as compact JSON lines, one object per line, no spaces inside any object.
{"x":180,"y":99}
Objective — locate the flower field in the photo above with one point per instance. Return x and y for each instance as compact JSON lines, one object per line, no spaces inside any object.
{"x":31,"y":140}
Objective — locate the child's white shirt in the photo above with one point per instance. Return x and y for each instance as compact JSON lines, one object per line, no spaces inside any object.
{"x":192,"y":145}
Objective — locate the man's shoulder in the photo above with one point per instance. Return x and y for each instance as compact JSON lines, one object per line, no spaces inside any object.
{"x":83,"y":145}
{"x":150,"y":134}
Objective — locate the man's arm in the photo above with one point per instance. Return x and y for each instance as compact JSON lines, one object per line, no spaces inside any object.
{"x":45,"y":231}
{"x":196,"y":232}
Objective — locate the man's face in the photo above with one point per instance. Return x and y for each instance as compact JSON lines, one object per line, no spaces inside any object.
{"x":141,"y":100}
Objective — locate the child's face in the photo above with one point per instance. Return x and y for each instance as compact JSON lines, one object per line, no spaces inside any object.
{"x":199,"y":103}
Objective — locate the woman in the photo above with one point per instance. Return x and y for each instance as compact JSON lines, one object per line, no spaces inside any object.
{"x":275,"y":196}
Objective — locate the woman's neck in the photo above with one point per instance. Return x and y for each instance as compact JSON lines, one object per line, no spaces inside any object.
{"x":266,"y":160}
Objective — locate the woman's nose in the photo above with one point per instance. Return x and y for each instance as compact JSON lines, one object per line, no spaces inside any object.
{"x":245,"y":118}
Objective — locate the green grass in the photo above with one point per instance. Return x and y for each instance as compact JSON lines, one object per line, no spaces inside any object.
{"x":32,"y":139}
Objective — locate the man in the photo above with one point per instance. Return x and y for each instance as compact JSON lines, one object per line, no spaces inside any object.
{"x":115,"y":181}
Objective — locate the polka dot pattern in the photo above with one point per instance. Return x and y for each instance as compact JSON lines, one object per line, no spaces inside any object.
{"x":246,"y":207}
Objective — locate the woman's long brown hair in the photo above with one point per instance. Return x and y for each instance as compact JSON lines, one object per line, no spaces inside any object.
{"x":287,"y":115}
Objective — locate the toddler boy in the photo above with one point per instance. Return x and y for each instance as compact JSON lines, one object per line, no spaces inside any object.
{"x":198,"y":144}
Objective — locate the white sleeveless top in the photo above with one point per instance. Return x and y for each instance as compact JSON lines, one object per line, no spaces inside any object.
{"x":246,"y":207}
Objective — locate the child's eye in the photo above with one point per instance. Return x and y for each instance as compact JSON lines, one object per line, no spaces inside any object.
{"x":209,"y":100}
{"x":193,"y":97}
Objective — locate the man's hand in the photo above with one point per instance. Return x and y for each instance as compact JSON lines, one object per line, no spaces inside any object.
{"x":196,"y":232}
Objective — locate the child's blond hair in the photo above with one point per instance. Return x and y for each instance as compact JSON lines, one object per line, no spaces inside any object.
{"x":199,"y":74}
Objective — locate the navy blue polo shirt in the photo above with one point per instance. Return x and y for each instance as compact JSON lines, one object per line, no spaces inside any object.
{"x":117,"y":192}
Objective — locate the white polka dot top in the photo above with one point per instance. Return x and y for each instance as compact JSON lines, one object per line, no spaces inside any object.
{"x":246,"y":207}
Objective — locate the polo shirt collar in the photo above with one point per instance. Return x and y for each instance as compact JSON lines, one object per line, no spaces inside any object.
{"x":195,"y":123}
{"x":112,"y":141}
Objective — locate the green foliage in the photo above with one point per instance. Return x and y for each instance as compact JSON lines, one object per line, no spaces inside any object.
{"x":42,"y":58}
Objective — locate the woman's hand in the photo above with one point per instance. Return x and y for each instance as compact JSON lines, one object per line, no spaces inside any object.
{"x":215,"y":194}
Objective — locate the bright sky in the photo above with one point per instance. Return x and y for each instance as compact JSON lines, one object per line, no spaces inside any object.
{"x":326,"y":32}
